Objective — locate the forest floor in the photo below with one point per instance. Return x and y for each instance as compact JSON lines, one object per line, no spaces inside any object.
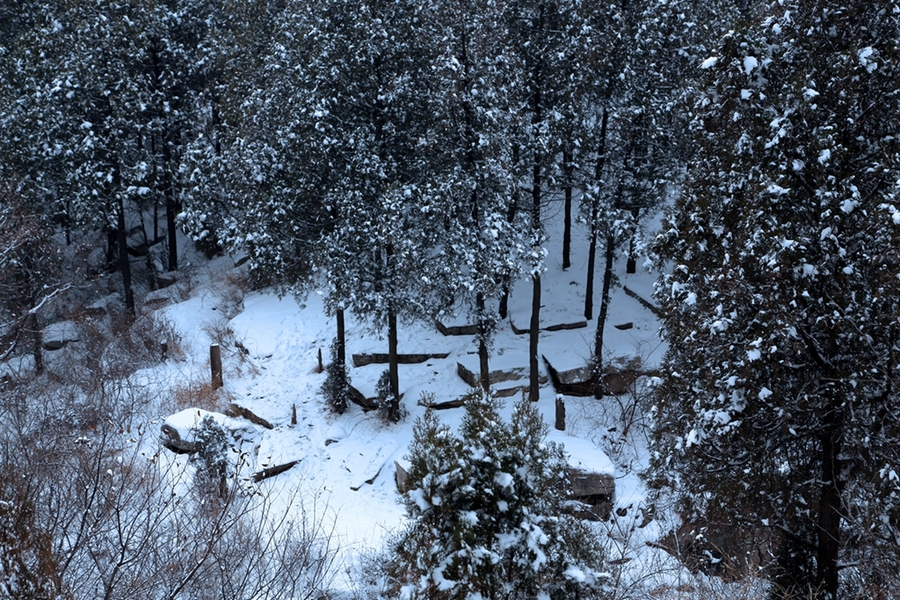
{"x":343,"y":479}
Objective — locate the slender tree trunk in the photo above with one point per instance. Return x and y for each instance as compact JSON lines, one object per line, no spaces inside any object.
{"x":592,"y":249}
{"x":171,"y":208}
{"x":393,"y":370}
{"x":112,"y":249}
{"x":483,"y":332}
{"x":604,"y":311}
{"x":592,"y":260}
{"x":534,"y":391}
{"x":567,"y":218}
{"x":829,"y":530}
{"x":124,"y":262}
{"x":341,"y":339}
{"x":33,"y":335}
{"x":631,"y":264}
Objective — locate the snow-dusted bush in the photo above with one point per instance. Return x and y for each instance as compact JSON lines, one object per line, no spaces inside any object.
{"x":485,"y":513}
{"x":211,"y":458}
{"x":336,"y":388}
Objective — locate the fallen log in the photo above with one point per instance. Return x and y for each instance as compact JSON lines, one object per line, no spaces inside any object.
{"x":456,"y":329}
{"x":273,"y":471}
{"x":236,"y":411}
{"x":564,"y":326}
{"x":359,"y":399}
{"x":648,"y":305}
{"x":361,"y":360}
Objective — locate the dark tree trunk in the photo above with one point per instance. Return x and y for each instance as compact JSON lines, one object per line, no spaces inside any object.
{"x":534,"y":392}
{"x":33,"y":335}
{"x":567,"y":219}
{"x":483,"y":332}
{"x":341,"y":339}
{"x":592,"y":249}
{"x":631,"y":264}
{"x":112,"y":249}
{"x":171,"y":208}
{"x":124,"y":263}
{"x":393,"y":370}
{"x":604,"y":310}
{"x":829,"y":530}
{"x":592,"y":260}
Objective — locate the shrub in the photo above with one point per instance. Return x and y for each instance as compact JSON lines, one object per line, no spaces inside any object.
{"x":485,"y":513}
{"x":211,"y":458}
{"x":336,"y":388}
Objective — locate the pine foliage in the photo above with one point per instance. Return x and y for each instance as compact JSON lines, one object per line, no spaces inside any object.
{"x":781,"y":308}
{"x":485,"y":510}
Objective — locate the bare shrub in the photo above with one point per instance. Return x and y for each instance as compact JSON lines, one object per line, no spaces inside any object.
{"x":121,"y":519}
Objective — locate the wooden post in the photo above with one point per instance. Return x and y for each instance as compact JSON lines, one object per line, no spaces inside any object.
{"x":560,"y":413}
{"x":215,"y":364}
{"x":293,"y":414}
{"x":321,"y":366}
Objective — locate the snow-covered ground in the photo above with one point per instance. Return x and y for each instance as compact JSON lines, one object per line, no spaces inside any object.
{"x":346,"y":464}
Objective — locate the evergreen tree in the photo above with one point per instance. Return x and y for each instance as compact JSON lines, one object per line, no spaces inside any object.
{"x":370,"y":105}
{"x":486,"y":512}
{"x":781,"y":309}
{"x":483,"y":242}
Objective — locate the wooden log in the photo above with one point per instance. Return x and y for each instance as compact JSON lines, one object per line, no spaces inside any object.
{"x":556,"y":327}
{"x":359,"y":399}
{"x":458,"y":403}
{"x":508,"y":392}
{"x":560,"y":414}
{"x":494,"y":377}
{"x":564,"y":326}
{"x":466,"y":375}
{"x":456,"y":329}
{"x":516,"y":330}
{"x":648,"y":305}
{"x":215,"y":365}
{"x":235,"y":410}
{"x":273,"y":471}
{"x":584,"y":483}
{"x":581,"y":389}
{"x":624,"y":326}
{"x":361,"y":360}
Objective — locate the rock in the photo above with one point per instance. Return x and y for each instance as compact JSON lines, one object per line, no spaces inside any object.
{"x":59,"y":334}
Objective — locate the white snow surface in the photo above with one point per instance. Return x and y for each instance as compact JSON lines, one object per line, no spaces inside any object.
{"x":345,"y":473}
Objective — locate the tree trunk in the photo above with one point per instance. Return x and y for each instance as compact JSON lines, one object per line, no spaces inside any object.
{"x":341,"y":339}
{"x":534,"y":392}
{"x":829,"y":530}
{"x":592,"y":260}
{"x":567,"y":219}
{"x":631,"y":264}
{"x":604,"y":310}
{"x":592,"y":250}
{"x":393,"y":370}
{"x":33,"y":335}
{"x":171,"y":208}
{"x":483,"y":332}
{"x":124,"y":262}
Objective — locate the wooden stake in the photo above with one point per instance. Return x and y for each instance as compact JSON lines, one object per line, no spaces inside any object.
{"x":293,"y":414}
{"x":560,"y":414}
{"x":215,"y":364}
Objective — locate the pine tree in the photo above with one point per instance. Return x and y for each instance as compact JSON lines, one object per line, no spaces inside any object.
{"x":781,"y":309}
{"x":485,"y":510}
{"x":483,"y":245}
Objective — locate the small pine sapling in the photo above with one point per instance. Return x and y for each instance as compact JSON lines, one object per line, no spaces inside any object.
{"x":211,"y":459}
{"x":336,"y":388}
{"x":485,"y":510}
